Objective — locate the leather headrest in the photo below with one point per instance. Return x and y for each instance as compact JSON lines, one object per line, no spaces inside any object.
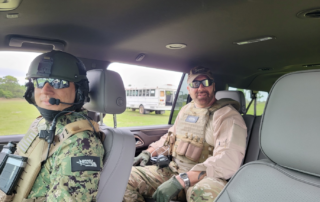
{"x":107,"y":93}
{"x":235,"y":95}
{"x":290,"y":126}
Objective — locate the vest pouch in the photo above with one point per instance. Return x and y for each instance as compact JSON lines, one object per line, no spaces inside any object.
{"x":194,"y":151}
{"x":182,"y":147}
{"x":5,"y":198}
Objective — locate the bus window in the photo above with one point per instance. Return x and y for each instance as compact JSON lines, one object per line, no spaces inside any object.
{"x":140,"y":93}
{"x":136,"y":92}
{"x":152,"y":92}
{"x":143,"y":92}
{"x":131,"y":93}
{"x":147,"y":92}
{"x":127,"y":92}
{"x":161,"y":93}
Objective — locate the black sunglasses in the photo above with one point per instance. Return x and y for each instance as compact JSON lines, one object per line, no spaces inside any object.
{"x":55,"y":83}
{"x":205,"y":83}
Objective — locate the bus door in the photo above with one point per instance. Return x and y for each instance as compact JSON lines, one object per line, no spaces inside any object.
{"x":169,"y":98}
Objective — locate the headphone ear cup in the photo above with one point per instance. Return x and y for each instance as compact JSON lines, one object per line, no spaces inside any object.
{"x":32,"y":98}
{"x":29,"y":94}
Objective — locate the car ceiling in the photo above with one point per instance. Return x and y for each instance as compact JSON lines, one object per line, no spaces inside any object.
{"x":118,"y":31}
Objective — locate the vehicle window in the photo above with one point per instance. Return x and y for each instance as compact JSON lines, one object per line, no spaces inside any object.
{"x":154,"y":90}
{"x":16,"y":113}
{"x":181,"y":100}
{"x":261,"y":100}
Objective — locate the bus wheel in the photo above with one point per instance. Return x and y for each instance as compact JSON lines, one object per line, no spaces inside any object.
{"x":132,"y":109}
{"x":141,"y":109}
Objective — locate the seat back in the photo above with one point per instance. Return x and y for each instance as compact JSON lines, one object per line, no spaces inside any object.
{"x":289,"y":138}
{"x":235,"y":95}
{"x":107,"y":95}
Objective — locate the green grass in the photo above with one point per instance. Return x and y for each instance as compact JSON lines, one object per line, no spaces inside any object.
{"x":16,"y":116}
{"x":260,"y":108}
{"x":134,"y":118}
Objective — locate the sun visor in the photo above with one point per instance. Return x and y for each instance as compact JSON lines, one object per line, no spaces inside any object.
{"x":289,"y":133}
{"x":107,"y":93}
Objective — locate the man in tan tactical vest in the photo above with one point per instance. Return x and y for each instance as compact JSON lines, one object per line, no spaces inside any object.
{"x":207,"y":143}
{"x":63,"y":147}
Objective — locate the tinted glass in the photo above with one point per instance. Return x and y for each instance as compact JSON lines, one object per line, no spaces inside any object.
{"x":181,"y":100}
{"x":261,"y":100}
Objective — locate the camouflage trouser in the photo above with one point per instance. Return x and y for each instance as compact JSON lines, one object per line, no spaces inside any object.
{"x":144,"y":181}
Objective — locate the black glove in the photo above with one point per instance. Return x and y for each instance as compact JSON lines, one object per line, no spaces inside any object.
{"x":167,"y":190}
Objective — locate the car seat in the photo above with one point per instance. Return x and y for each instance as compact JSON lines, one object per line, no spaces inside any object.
{"x":289,"y":138}
{"x":107,"y":96}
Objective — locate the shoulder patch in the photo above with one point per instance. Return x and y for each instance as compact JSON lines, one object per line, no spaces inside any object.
{"x":85,"y":163}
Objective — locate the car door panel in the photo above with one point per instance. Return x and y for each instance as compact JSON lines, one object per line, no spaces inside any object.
{"x":9,"y":138}
{"x":145,"y":135}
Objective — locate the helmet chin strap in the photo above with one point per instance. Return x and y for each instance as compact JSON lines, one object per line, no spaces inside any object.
{"x":49,"y":115}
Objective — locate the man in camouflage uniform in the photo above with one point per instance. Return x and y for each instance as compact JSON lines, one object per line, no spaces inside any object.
{"x":224,"y":133}
{"x":72,"y":171}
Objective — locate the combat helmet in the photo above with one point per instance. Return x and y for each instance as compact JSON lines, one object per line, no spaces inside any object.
{"x":59,"y":65}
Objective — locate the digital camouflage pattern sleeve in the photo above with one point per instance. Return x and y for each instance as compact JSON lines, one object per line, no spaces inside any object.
{"x":57,"y":182}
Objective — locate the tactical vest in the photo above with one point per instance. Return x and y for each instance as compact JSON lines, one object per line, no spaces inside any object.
{"x":189,"y":146}
{"x":35,"y":149}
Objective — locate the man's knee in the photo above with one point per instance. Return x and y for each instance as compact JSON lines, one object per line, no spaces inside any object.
{"x":206,"y":190}
{"x":134,"y":187}
{"x":136,"y":181}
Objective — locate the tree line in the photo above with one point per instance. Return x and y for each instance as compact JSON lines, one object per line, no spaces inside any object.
{"x":10,"y":87}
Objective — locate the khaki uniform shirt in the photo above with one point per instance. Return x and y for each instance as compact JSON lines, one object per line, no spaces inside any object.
{"x":229,"y":141}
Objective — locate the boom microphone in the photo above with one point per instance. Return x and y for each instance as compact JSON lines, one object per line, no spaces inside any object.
{"x":55,"y":101}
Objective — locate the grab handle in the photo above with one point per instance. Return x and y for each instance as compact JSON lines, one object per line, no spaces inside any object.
{"x":18,"y":41}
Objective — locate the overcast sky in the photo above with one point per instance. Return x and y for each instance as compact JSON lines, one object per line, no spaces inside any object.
{"x":17,"y":63}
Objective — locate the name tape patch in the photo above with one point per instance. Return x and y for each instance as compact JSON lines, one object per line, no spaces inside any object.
{"x":192,"y":119}
{"x":85,"y":163}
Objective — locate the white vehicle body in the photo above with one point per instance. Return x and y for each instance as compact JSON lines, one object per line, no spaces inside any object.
{"x":149,"y":99}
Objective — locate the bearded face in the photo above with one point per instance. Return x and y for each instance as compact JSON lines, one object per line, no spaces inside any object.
{"x":202,"y":96}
